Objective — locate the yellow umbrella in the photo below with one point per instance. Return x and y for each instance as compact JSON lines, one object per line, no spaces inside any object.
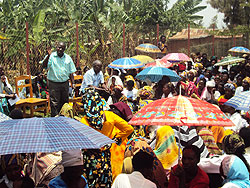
{"x":144,"y":59}
{"x":148,"y":48}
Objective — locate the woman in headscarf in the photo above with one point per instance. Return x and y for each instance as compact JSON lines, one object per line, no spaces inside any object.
{"x":165,"y":147}
{"x":97,"y":168}
{"x":145,"y":94}
{"x":209,"y":141}
{"x":191,"y":87}
{"x":135,"y":145}
{"x":245,"y":86}
{"x":229,"y":92}
{"x":235,"y":173}
{"x":117,"y":151}
{"x":234,"y":144}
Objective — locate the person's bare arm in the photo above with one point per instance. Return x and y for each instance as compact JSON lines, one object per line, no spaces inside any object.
{"x":71,"y":76}
{"x":104,"y":87}
{"x":45,"y":62}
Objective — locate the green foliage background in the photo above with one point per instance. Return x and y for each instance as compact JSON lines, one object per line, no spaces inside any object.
{"x":100,"y":27}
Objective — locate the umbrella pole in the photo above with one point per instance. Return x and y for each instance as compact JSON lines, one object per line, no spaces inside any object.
{"x":179,"y":144}
{"x":179,"y":139}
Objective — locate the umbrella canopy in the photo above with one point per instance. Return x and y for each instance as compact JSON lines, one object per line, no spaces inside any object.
{"x":143,"y":58}
{"x":126,"y":63}
{"x":159,"y":63}
{"x":155,"y":74}
{"x":180,"y":110}
{"x":239,"y":49}
{"x":4,"y":117}
{"x":149,"y":48}
{"x":240,"y":101}
{"x":47,"y":135}
{"x":175,"y":57}
{"x":229,"y":60}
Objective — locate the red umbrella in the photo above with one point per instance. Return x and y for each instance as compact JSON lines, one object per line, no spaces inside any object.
{"x":175,"y":57}
{"x":159,"y":63}
{"x":180,"y":110}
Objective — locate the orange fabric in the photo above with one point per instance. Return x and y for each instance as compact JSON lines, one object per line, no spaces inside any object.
{"x":113,"y":120}
{"x":117,"y":156}
{"x":218,"y":133}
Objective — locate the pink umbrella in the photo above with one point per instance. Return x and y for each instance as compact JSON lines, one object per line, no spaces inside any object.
{"x":175,"y":57}
{"x":159,"y":63}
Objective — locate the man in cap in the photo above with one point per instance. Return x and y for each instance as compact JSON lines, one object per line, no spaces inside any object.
{"x":72,"y":162}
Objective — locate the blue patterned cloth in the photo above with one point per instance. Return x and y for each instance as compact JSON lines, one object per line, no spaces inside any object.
{"x":240,"y":101}
{"x":47,"y":135}
{"x":57,"y":182}
{"x":59,"y":68}
{"x":4,"y":117}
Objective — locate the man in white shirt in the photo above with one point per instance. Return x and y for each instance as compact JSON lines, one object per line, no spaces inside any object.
{"x":94,"y":77}
{"x":143,"y":168}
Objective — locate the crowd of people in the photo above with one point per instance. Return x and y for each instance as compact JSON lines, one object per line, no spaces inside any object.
{"x":142,"y":156}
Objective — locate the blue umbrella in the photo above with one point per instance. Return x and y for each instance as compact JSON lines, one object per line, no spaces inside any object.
{"x":48,"y":135}
{"x":239,"y":49}
{"x":126,"y":63}
{"x":155,"y":74}
{"x":240,"y":101}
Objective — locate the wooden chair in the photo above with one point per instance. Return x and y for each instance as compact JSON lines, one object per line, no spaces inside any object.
{"x":75,"y":100}
{"x":34,"y":104}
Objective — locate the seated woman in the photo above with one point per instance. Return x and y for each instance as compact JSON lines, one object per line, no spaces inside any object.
{"x":235,"y":173}
{"x":135,"y":145}
{"x":188,"y":174}
{"x":232,"y":145}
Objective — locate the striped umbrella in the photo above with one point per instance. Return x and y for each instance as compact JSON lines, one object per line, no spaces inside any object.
{"x":143,"y":58}
{"x":175,"y":57}
{"x":159,"y":63}
{"x":229,"y":60}
{"x":126,"y":63}
{"x":240,"y":101}
{"x":239,"y":49}
{"x":149,"y":48}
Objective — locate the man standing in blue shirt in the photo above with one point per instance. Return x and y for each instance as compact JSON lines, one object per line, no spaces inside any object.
{"x":60,"y":68}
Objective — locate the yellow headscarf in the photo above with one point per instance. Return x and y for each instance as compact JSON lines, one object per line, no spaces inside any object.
{"x":247,"y":79}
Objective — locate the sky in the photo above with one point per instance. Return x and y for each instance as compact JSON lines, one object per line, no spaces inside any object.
{"x":207,"y":14}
